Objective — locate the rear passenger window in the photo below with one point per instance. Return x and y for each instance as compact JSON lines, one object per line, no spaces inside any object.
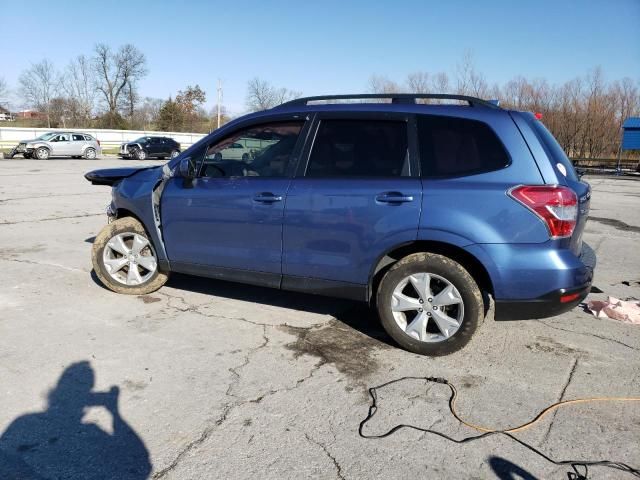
{"x":360,"y":148}
{"x":452,"y":147}
{"x":78,"y":138}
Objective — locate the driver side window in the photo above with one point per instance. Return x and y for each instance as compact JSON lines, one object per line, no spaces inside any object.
{"x":259,"y":151}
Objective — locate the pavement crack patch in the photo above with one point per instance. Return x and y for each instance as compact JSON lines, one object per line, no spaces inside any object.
{"x":607,"y":339}
{"x":185,"y":306}
{"x":43,"y":264}
{"x":336,"y":465}
{"x":617,"y":224}
{"x":560,"y":398}
{"x":235,"y":371}
{"x":35,"y":197}
{"x":227,"y":409}
{"x":52,"y":219}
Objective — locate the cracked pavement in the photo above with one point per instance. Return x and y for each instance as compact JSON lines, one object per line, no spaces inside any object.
{"x":222,"y":380}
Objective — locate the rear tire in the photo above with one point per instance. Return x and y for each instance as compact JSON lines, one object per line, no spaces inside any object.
{"x":124,"y":258}
{"x":90,"y":154}
{"x":414,"y":319}
{"x":174,"y":153}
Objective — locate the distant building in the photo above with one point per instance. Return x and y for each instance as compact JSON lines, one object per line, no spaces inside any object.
{"x":6,"y":115}
{"x":31,"y":114}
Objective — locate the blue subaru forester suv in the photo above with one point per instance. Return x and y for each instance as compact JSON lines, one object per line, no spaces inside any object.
{"x":423,"y":208}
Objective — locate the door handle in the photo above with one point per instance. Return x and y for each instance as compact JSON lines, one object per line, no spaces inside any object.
{"x":393,"y":197}
{"x":267,"y":197}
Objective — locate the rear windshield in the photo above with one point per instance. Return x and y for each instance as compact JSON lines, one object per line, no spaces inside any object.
{"x":553,"y":149}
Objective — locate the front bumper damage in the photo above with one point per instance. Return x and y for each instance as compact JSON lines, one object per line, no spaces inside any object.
{"x":21,"y":148}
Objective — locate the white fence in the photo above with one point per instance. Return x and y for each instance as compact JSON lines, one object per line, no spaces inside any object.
{"x":10,"y":136}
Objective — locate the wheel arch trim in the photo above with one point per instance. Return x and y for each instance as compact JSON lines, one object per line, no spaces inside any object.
{"x":451,"y":246}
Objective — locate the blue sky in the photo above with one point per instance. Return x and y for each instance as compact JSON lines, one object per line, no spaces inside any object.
{"x":326,"y":46}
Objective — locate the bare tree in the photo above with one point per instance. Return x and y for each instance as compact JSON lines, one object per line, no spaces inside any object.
{"x":441,"y":82}
{"x":148,"y":112}
{"x":419,"y":82}
{"x":4,"y":90}
{"x":38,"y":85}
{"x":469,"y":80}
{"x":382,"y":84}
{"x":78,"y":83}
{"x":130,"y":100}
{"x":261,"y":95}
{"x":115,"y":71}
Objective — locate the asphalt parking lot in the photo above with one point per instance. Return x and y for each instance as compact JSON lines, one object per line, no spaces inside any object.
{"x":220,"y":380}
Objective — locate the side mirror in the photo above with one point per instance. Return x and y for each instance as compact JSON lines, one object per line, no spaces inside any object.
{"x":187,"y":168}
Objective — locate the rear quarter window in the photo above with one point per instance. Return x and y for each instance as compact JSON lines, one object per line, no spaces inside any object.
{"x":453,"y":147}
{"x":553,"y":149}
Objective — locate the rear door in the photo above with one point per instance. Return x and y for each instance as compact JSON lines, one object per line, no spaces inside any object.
{"x":165,"y":147}
{"x":356,"y":196}
{"x":77,"y":142}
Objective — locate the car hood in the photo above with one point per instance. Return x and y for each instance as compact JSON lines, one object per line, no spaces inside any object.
{"x":109,"y":176}
{"x":33,"y":140}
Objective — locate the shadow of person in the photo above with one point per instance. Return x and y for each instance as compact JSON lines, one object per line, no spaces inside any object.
{"x":57,"y":444}
{"x":506,"y":470}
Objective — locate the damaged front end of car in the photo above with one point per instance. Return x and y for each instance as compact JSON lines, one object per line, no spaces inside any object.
{"x":136,"y":192}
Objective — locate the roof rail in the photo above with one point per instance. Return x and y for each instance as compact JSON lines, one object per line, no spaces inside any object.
{"x":408,"y":98}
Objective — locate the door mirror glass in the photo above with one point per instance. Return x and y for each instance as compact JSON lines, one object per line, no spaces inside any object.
{"x":187,"y":168}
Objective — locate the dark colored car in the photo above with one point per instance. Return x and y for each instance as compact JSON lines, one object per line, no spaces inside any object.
{"x":150,"y":147}
{"x":422,"y":210}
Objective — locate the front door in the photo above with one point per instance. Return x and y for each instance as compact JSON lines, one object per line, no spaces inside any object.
{"x":154,"y":147}
{"x":61,"y":145}
{"x":230,"y":217}
{"x":359,"y":196}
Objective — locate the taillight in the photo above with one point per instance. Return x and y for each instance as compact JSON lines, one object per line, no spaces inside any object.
{"x":557,"y":206}
{"x":98,"y":141}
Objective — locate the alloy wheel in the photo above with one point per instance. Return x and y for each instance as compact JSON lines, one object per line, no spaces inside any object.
{"x":427,"y":307}
{"x":129,"y":259}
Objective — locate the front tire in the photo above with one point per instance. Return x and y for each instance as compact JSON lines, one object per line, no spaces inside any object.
{"x":174,"y":153}
{"x":141,"y":154}
{"x":429,"y":304}
{"x":124,"y":258}
{"x":42,"y":153}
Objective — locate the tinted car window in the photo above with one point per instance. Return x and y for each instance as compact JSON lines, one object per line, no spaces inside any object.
{"x":78,"y":138}
{"x":458,"y":146}
{"x":360,"y":148}
{"x":88,"y":138}
{"x":260,"y":151}
{"x":553,"y":148}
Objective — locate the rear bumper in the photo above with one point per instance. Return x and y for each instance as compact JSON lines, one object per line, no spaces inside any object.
{"x":548,"y":305}
{"x":554,"y":302}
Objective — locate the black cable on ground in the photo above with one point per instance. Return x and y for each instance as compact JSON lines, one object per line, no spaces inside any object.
{"x":575,"y":464}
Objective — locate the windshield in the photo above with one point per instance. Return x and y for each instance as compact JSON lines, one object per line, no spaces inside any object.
{"x":141,"y":140}
{"x":46,"y":136}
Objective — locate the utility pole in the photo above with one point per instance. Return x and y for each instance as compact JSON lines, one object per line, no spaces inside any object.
{"x":219,"y":100}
